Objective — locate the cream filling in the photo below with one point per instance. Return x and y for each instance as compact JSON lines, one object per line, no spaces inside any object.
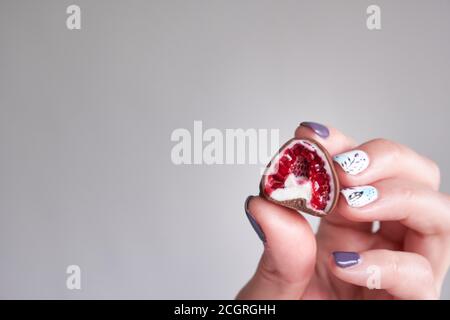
{"x":293,"y":189}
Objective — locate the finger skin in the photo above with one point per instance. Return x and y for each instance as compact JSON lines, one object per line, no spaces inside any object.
{"x":412,"y":204}
{"x":436,"y":248}
{"x":289,"y":254}
{"x":335,"y":143}
{"x":392,"y":160}
{"x":288,"y":261}
{"x":404,"y":275}
{"x":409,"y":206}
{"x":423,"y":213}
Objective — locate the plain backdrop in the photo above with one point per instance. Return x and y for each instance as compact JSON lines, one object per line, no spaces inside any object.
{"x":86,"y":117}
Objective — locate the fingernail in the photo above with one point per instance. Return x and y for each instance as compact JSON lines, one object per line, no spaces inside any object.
{"x":253,"y":222}
{"x":360,"y":196}
{"x":318,"y":128}
{"x":352,"y":162}
{"x":344,"y":259}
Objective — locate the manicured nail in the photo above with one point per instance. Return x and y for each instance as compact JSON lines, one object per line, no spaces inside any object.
{"x":352,"y":162}
{"x":344,"y":259}
{"x":360,"y":196}
{"x":253,"y":222}
{"x":318,"y":128}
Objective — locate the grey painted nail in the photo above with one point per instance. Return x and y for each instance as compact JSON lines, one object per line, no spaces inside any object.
{"x":253,"y":222}
{"x":318,"y":128}
{"x":344,"y":259}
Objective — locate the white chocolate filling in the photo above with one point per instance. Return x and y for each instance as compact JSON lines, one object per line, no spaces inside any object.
{"x":293,"y":189}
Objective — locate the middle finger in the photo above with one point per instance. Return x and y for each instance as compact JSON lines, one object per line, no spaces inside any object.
{"x":381,"y":159}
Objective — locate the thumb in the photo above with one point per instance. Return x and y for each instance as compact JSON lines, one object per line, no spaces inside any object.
{"x":288,"y":260}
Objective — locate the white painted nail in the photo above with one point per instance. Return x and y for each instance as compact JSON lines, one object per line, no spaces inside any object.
{"x":360,"y":196}
{"x":352,"y":162}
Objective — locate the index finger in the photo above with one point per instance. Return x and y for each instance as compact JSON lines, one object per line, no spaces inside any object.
{"x":332,"y":139}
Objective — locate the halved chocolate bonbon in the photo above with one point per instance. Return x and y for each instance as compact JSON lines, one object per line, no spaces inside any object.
{"x":302,"y":177}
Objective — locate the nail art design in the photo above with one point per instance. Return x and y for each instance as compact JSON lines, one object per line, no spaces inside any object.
{"x":352,"y":162}
{"x":318,"y":128}
{"x":253,"y":222}
{"x":360,"y":196}
{"x":345,"y":259}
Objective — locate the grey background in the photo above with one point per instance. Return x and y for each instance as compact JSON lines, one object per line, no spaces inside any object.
{"x":86,"y":118}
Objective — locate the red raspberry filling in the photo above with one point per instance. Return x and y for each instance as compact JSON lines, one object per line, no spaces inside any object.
{"x":304,"y":164}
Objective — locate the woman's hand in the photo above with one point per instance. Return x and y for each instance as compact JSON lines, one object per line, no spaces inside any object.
{"x":407,"y":258}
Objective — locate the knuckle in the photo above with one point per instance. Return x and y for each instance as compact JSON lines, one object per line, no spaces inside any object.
{"x":392,"y":148}
{"x":420,"y":268}
{"x":398,"y":151}
{"x":407,"y":193}
{"x":435,"y":172}
{"x":268,"y":270}
{"x":426,"y":274}
{"x":271,"y":272}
